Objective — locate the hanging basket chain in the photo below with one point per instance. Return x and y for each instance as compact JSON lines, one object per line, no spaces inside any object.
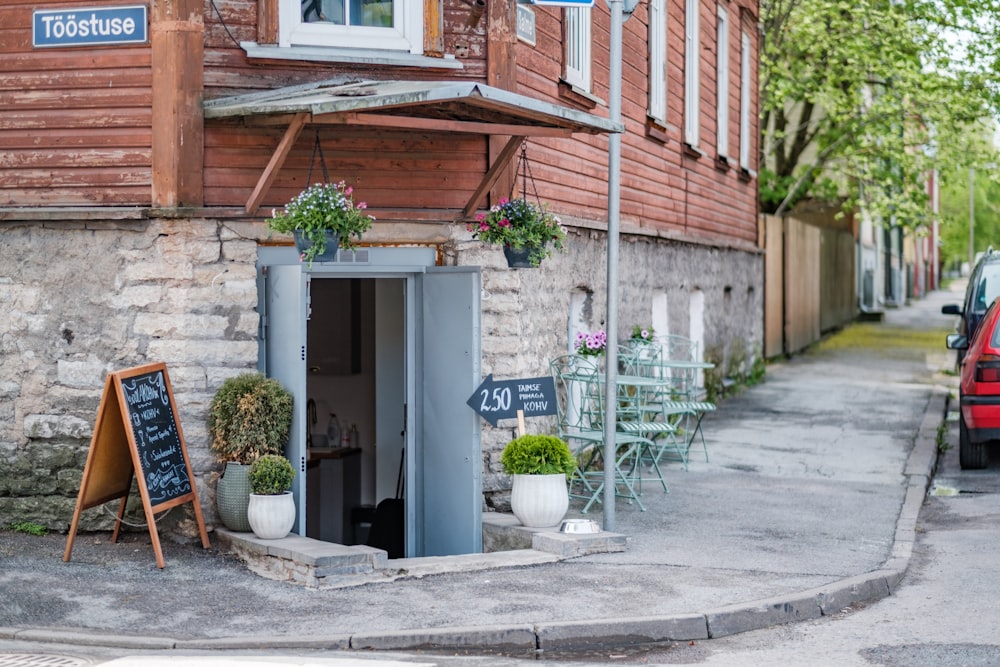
{"x":317,"y":150}
{"x":523,"y":169}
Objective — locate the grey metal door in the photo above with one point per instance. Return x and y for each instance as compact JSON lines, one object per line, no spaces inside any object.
{"x":284,"y":335}
{"x":448,"y":461}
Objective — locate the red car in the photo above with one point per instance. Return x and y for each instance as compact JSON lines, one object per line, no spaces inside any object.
{"x":979,"y":391}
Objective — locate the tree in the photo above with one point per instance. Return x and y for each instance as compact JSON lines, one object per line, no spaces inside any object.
{"x":862,"y":99}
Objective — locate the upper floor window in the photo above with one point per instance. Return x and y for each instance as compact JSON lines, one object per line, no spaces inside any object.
{"x":577,"y":26}
{"x":658,"y":60}
{"x":692,"y":58}
{"x":364,"y":24}
{"x":722,"y":83}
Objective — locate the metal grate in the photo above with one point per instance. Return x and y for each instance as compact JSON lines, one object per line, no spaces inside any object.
{"x":40,"y":660}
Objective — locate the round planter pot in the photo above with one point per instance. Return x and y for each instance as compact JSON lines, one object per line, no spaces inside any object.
{"x":539,"y":501}
{"x":518,"y":258}
{"x":332,"y":245}
{"x":232,"y":494}
{"x":271,"y":517}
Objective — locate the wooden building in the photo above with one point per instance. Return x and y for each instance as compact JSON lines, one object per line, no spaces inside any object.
{"x":144,"y":145}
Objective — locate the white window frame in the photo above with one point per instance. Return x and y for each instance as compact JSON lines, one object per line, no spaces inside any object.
{"x":745,"y":101}
{"x":578,"y":49}
{"x":692,"y":58}
{"x":405,"y":35}
{"x":657,"y":109}
{"x":722,"y":84}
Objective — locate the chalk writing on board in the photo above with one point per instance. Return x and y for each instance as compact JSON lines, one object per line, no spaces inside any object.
{"x":154,"y":427}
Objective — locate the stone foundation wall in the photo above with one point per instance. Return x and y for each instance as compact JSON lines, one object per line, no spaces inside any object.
{"x":81,"y":299}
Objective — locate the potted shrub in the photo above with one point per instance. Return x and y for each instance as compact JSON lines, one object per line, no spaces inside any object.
{"x":539,"y":465}
{"x":249,"y":416}
{"x":527,"y":231}
{"x":272,"y":509}
{"x":323,"y":218}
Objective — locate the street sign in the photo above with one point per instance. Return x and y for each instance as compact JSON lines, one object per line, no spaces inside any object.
{"x":525,"y":24}
{"x":503,"y":399}
{"x":90,"y":26}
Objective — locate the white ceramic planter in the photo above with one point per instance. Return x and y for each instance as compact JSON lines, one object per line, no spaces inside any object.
{"x":271,"y":517}
{"x":539,"y":501}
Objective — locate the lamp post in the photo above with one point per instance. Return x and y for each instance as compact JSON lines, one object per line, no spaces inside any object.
{"x":620,"y":11}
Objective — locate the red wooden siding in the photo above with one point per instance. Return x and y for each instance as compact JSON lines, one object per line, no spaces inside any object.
{"x":387,"y":169}
{"x":662,"y":189}
{"x":74,"y":122}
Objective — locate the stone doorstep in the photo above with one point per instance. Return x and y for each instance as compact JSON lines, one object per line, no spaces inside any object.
{"x":316,"y":564}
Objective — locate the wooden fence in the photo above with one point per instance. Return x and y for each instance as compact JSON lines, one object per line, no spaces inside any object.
{"x":809,"y":283}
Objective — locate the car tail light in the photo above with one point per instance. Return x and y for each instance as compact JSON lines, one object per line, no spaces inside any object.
{"x":988,"y":368}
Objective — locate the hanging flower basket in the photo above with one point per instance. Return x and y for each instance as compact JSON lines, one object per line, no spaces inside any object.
{"x":522,"y":228}
{"x":318,"y":215}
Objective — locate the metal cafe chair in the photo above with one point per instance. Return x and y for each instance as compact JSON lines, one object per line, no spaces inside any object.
{"x":580,"y":413}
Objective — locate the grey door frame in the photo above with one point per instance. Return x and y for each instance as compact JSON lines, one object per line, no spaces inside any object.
{"x":463,"y":472}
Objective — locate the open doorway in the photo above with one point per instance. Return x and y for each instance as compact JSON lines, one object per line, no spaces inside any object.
{"x":355,"y":361}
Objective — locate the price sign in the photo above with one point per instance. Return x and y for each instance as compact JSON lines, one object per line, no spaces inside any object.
{"x":503,"y":399}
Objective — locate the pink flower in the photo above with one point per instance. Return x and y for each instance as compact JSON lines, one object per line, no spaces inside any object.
{"x":483,"y":226}
{"x":361,"y":205}
{"x":504,"y":223}
{"x":348,"y":190}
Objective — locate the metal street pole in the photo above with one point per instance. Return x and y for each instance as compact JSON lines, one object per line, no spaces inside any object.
{"x":972,"y":218}
{"x":617,"y":8}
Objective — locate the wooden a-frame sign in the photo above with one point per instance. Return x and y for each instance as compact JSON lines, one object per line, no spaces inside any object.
{"x":137,"y":433}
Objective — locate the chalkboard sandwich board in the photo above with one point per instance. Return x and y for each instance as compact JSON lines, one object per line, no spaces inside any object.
{"x":137,"y":433}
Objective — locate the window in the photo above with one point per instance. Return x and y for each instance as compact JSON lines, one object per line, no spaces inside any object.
{"x":365,"y":24}
{"x":577,"y":22}
{"x":658,"y":60}
{"x":722,"y":84}
{"x":745,"y":103}
{"x":692,"y":44}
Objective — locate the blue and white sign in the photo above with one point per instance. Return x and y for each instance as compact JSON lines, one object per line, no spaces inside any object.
{"x":90,"y":26}
{"x":564,"y":3}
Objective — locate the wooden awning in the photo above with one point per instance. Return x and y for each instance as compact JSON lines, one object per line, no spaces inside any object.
{"x":434,"y":106}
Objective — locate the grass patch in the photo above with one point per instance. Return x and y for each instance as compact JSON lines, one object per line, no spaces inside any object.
{"x":875,"y":336}
{"x":28,"y":527}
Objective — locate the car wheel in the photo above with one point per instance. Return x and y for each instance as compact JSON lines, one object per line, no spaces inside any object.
{"x":971,"y":455}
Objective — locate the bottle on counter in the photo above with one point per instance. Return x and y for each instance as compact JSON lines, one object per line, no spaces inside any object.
{"x":333,"y":431}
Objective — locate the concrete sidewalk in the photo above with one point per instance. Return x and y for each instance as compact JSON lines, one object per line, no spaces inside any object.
{"x":807,"y":505}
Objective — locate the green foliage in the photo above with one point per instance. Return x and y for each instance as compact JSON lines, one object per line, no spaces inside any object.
{"x":270,"y":475}
{"x":28,"y":527}
{"x":320,"y":208}
{"x":520,"y":224}
{"x":872,"y":97}
{"x":954,"y":209}
{"x":250,"y":415}
{"x":641,"y":333}
{"x":537,"y":455}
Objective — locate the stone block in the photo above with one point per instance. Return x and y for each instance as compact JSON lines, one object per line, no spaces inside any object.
{"x":56,"y":426}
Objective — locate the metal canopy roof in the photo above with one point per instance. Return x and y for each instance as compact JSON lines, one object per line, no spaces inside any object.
{"x":446,"y":106}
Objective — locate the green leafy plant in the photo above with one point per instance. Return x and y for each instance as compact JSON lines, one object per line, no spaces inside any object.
{"x":321,"y":208}
{"x":537,"y":455}
{"x":271,"y":475}
{"x":250,"y":416}
{"x":643,"y":334}
{"x":28,"y":527}
{"x":518,"y":223}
